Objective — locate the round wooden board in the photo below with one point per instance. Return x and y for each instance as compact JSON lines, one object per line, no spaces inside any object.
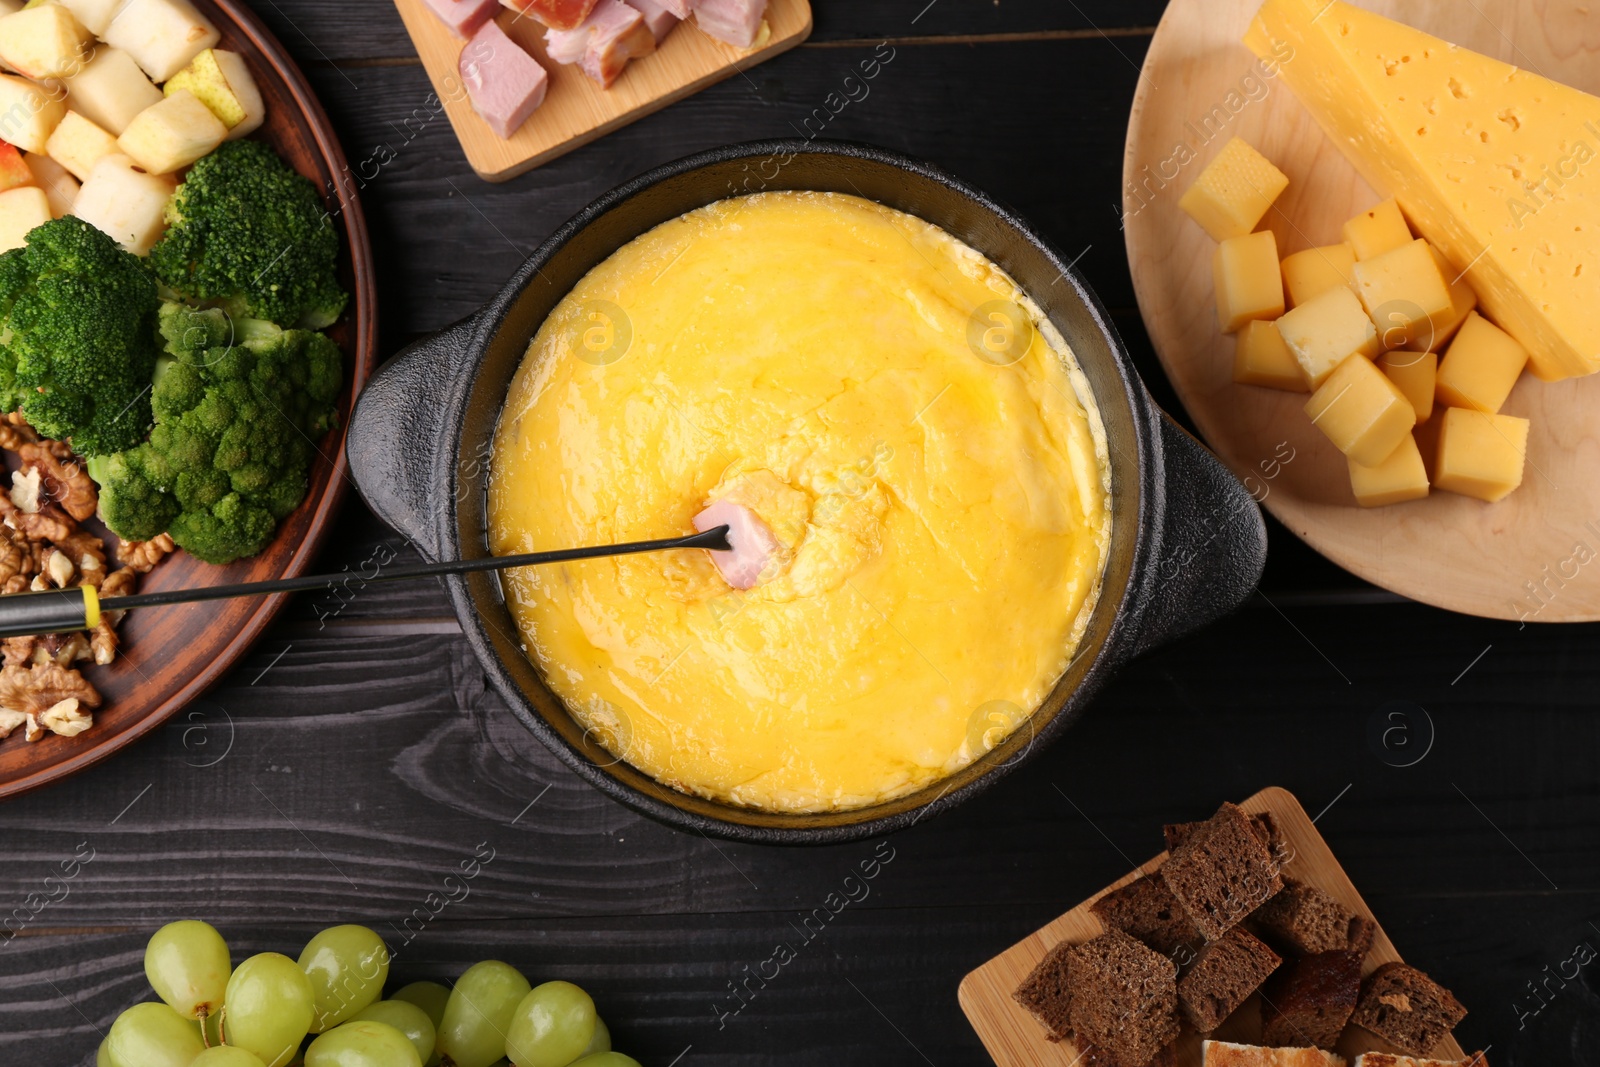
{"x":1200,"y":86}
{"x":172,"y":654}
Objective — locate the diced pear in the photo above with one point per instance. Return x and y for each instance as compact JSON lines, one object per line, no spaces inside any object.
{"x":161,"y":35}
{"x":44,"y":42}
{"x":60,"y":187}
{"x":13,"y":171}
{"x":95,"y":15}
{"x":28,"y":113}
{"x":223,"y":83}
{"x":172,"y":134}
{"x":21,"y":210}
{"x":126,"y":202}
{"x":110,"y":90}
{"x":78,"y":144}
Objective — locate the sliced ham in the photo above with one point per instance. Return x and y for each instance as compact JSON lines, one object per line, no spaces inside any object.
{"x":557,"y":14}
{"x":752,"y":541}
{"x":464,"y":16}
{"x":505,"y":83}
{"x":657,"y":17}
{"x":613,"y":34}
{"x":735,"y":21}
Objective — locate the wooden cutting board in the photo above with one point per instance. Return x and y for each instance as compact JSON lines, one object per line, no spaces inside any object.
{"x":1015,"y":1039}
{"x":576,"y":110}
{"x":1446,"y":550}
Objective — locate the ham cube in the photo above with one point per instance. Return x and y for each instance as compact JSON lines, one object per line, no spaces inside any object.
{"x":464,"y":17}
{"x":751,"y":539}
{"x":656,"y":17}
{"x":678,"y":8}
{"x":556,"y":14}
{"x":735,"y":21}
{"x":613,"y":34}
{"x":505,"y":83}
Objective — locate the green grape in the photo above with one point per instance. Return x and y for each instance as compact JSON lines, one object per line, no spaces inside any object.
{"x":267,"y":1009}
{"x":347,"y":966}
{"x":479,"y":1012}
{"x":188,"y":967}
{"x":553,"y":1025}
{"x":601,"y":1041}
{"x":431,"y":998}
{"x":226,"y":1056}
{"x":606,"y":1059}
{"x":152,"y":1035}
{"x":406,"y":1018}
{"x":102,"y":1055}
{"x":363,"y":1043}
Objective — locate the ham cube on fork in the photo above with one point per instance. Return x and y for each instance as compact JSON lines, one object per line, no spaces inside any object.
{"x":752,"y":541}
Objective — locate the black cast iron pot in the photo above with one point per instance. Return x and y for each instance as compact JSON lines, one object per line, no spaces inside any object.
{"x":1188,"y":540}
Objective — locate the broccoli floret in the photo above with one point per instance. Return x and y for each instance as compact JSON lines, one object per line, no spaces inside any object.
{"x":249,"y":234}
{"x":238,"y":404}
{"x":77,"y":336}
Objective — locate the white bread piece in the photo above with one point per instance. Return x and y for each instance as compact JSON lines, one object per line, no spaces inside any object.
{"x":1229,"y":1054}
{"x":1389,"y":1059}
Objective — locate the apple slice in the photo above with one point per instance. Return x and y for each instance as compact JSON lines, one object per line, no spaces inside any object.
{"x":95,"y":15}
{"x":126,"y":202}
{"x":110,"y":90}
{"x":60,"y":187}
{"x":161,"y":35}
{"x":223,"y":83}
{"x":172,"y":134}
{"x":28,"y":114}
{"x":21,"y":210}
{"x":44,"y":42}
{"x":13,"y":171}
{"x":78,"y":144}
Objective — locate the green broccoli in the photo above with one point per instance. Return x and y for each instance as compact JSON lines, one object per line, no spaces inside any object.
{"x":247,"y":233}
{"x":77,"y":336}
{"x":238,"y":406}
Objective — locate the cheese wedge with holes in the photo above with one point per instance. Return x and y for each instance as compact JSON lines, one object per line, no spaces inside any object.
{"x":1497,"y":167}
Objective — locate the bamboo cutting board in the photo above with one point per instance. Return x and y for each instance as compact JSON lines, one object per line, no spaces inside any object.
{"x":576,"y":110}
{"x":1015,"y":1039}
{"x":1524,"y":558}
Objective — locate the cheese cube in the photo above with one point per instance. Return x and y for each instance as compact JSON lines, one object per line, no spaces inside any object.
{"x":1372,"y":233}
{"x":1326,"y":331}
{"x":1309,"y":274}
{"x":1480,"y":455}
{"x":1399,"y":478}
{"x":1234,"y":191}
{"x":161,"y":35}
{"x":1403,"y":291}
{"x":21,"y":209}
{"x":1481,"y":366}
{"x":43,"y":42}
{"x":78,"y":144}
{"x":1363,"y":413}
{"x":1249,"y":284}
{"x":1261,"y":358}
{"x":110,"y":90}
{"x":1415,"y":373}
{"x":1463,"y":298}
{"x":28,"y":114}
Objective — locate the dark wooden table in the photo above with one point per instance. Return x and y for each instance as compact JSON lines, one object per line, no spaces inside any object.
{"x":356,"y":757}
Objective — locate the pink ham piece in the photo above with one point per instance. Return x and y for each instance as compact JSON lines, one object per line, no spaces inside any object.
{"x":656,"y":17}
{"x":613,"y":34}
{"x":505,"y":83}
{"x":557,"y":14}
{"x":735,"y":21}
{"x":752,"y":541}
{"x":678,"y":9}
{"x":464,"y":16}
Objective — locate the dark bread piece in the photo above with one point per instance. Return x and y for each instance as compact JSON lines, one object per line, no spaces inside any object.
{"x":1305,"y":920}
{"x":1045,"y":995}
{"x":1147,"y":910}
{"x":1309,"y":1001}
{"x":1124,"y":998}
{"x":1407,"y":1008}
{"x":1265,"y":826}
{"x":1222,"y":872}
{"x":1223,"y":976}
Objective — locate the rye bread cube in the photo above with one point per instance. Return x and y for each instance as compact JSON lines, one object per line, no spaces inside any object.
{"x":1044,"y":995}
{"x":1222,"y":872}
{"x":1124,"y":997}
{"x":1309,"y":1001}
{"x":1222,"y":977}
{"x":1407,"y":1008}
{"x":1306,"y":921}
{"x":1265,"y":826}
{"x":1147,"y":910}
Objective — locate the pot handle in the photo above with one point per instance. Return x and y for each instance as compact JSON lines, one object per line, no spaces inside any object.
{"x":1213,"y":541}
{"x":394,"y":441}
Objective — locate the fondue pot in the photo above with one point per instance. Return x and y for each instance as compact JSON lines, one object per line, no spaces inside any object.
{"x":1187,"y":540}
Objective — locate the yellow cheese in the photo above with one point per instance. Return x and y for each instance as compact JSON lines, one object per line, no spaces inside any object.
{"x":1480,"y":368}
{"x":1480,"y":455}
{"x":1261,"y":358}
{"x":1416,"y":374}
{"x":1494,"y":165}
{"x":1399,"y":478}
{"x":1372,"y":233}
{"x":1443,"y":327}
{"x":1309,"y":274}
{"x":1325,"y":332}
{"x":1249,"y":285}
{"x":1234,"y":191}
{"x":1403,"y":291}
{"x":1363,"y":413}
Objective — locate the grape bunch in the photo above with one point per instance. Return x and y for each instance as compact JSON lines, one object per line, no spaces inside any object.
{"x":260,"y":1013}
